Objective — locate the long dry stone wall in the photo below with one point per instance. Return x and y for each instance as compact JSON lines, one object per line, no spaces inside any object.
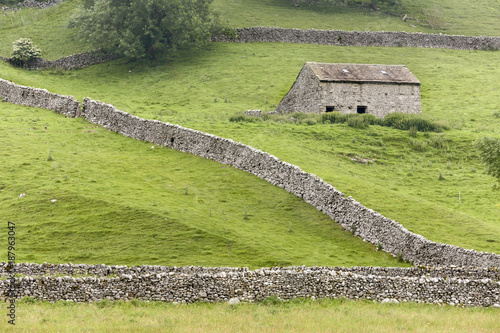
{"x":362,"y":38}
{"x":463,"y":287}
{"x":371,"y":226}
{"x":40,"y":98}
{"x":364,"y":222}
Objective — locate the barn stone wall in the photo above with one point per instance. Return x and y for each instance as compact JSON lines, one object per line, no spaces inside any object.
{"x":304,"y":96}
{"x":362,"y":38}
{"x":380,"y":99}
{"x":310,"y":95}
{"x":89,"y":283}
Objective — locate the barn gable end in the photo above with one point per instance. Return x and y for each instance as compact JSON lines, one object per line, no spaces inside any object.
{"x":353,"y":88}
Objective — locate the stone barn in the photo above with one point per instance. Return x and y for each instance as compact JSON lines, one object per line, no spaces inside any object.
{"x":353,"y":88}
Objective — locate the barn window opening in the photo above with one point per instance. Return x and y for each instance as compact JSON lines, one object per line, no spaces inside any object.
{"x":361,"y":109}
{"x":330,"y":108}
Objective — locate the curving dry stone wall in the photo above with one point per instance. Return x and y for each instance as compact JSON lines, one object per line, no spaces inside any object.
{"x":366,"y":223}
{"x":40,"y":98}
{"x":362,"y":38}
{"x":191,"y":284}
{"x":75,"y":61}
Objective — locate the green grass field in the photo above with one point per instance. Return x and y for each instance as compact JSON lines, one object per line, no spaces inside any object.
{"x":299,"y":315}
{"x":120,"y":201}
{"x":204,"y":89}
{"x":463,"y":17}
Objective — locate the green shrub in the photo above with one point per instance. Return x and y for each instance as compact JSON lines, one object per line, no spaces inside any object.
{"x":405,"y":121}
{"x":353,"y":119}
{"x":23,"y":51}
{"x":333,"y":118}
{"x":150,"y":29}
{"x":357,"y":122}
{"x":418,"y":145}
{"x":243,"y":118}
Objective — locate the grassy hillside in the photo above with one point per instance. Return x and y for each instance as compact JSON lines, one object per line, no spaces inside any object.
{"x":95,"y":196}
{"x":120,"y":201}
{"x":462,"y":17}
{"x":47,"y":28}
{"x":203,"y":89}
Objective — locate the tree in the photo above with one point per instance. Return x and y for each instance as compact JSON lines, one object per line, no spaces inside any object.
{"x":146,"y":28}
{"x":23,"y":51}
{"x":489,"y":151}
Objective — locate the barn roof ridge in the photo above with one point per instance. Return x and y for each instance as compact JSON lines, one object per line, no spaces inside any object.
{"x":362,"y":73}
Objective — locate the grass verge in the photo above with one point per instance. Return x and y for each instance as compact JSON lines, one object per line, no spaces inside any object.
{"x":298,"y":315}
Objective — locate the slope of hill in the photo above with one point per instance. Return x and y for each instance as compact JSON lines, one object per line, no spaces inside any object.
{"x":121,"y":201}
{"x":459,"y":17}
{"x":203,"y":89}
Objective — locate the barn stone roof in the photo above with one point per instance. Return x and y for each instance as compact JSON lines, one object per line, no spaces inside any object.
{"x":394,"y":74}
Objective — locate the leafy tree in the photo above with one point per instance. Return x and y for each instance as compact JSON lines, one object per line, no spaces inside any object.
{"x":23,"y":51}
{"x":146,"y":28}
{"x":489,"y":151}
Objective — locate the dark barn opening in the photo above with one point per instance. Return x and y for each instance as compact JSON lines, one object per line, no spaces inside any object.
{"x":330,"y":108}
{"x":361,"y":109}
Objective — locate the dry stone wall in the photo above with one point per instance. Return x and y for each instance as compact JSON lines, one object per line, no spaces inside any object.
{"x":40,"y":98}
{"x":75,"y":61}
{"x":362,"y":38}
{"x":472,"y":287}
{"x":364,"y":222}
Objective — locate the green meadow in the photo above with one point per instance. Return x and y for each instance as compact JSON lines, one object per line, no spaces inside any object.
{"x":205,"y":89}
{"x":93,"y":196}
{"x":299,"y":315}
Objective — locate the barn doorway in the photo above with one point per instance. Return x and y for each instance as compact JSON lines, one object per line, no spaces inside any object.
{"x":361,"y":109}
{"x":330,"y":108}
